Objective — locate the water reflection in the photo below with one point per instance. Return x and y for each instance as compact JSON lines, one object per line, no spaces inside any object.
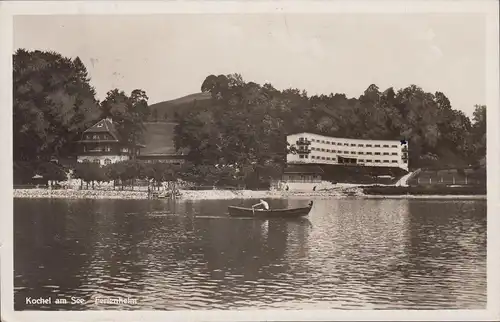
{"x":448,"y":250}
{"x":349,"y":253}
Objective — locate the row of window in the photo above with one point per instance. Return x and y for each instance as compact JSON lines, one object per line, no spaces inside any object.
{"x":358,"y":160}
{"x":106,"y":161}
{"x":176,"y":162}
{"x":353,"y":152}
{"x":105,"y":148}
{"x":354,"y":144}
{"x":98,"y":137}
{"x":97,"y":149}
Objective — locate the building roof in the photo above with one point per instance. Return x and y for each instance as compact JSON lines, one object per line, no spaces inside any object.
{"x":159,"y":139}
{"x":303,"y":168}
{"x":344,"y":138}
{"x":104,"y":126}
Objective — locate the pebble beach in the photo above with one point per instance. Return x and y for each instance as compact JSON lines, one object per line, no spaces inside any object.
{"x":339,"y":192}
{"x":184,"y":194}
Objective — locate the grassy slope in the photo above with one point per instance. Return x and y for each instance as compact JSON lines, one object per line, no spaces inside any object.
{"x":159,"y":138}
{"x":176,"y":105}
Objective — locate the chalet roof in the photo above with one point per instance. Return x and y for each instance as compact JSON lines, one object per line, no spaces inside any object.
{"x":305,"y":168}
{"x":104,"y":126}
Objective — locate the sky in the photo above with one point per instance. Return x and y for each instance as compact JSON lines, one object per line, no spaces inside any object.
{"x":169,"y":55}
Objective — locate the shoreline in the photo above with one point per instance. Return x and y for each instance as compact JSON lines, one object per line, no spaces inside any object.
{"x":340,"y":193}
{"x":448,"y":197}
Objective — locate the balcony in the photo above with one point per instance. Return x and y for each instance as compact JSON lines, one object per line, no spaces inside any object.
{"x":302,"y":150}
{"x":302,"y":142}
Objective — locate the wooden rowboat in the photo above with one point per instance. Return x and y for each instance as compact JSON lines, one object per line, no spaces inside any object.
{"x":272,"y":213}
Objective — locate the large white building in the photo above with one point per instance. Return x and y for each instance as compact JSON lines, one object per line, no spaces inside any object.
{"x":318,"y":149}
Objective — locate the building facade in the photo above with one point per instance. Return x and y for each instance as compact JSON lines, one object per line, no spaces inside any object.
{"x":102,"y":144}
{"x":312,"y":148}
{"x":306,"y":174}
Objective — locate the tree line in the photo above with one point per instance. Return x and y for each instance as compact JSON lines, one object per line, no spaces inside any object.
{"x":237,"y":136}
{"x":126,"y":174}
{"x":246,"y":123}
{"x":54,"y":103}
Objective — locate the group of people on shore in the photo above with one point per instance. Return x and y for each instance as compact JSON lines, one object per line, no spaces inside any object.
{"x":171,"y":192}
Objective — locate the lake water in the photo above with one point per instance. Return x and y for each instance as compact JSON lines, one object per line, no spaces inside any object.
{"x":349,"y":254}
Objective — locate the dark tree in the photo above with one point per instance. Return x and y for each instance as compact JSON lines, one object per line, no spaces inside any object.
{"x":127,"y":112}
{"x":89,"y":173}
{"x":53,"y":104}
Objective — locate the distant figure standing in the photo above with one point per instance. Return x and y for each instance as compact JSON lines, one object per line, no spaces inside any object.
{"x":262,"y":203}
{"x":314,"y":189}
{"x":287,"y":187}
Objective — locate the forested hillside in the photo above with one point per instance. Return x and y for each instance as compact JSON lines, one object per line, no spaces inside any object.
{"x":246,"y":123}
{"x":235,"y":128}
{"x":54,"y":102}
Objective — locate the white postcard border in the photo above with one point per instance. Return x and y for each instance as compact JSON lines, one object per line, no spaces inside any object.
{"x":488,"y":8}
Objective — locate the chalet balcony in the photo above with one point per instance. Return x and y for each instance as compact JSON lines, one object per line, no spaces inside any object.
{"x":303,"y":142}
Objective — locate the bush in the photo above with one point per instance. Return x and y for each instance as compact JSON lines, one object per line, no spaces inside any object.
{"x":51,"y":171}
{"x":90,"y":172}
{"x":23,"y":172}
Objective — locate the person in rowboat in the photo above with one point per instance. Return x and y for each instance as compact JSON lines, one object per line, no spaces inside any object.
{"x":262,"y":203}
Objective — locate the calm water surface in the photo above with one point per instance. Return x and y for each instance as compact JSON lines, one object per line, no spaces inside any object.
{"x":350,"y":253}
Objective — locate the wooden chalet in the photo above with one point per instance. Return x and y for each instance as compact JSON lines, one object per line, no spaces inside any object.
{"x":102,"y":144}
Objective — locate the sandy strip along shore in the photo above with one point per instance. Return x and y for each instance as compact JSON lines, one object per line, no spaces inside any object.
{"x":340,"y":192}
{"x":185,"y":194}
